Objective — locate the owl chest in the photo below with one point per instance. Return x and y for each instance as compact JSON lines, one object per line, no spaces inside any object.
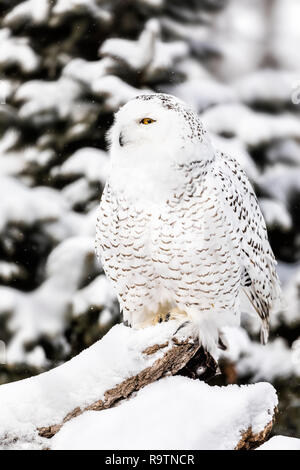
{"x":175,"y":242}
{"x":192,"y":238}
{"x":124,"y":234}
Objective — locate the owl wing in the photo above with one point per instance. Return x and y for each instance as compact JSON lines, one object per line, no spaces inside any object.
{"x":259,"y":278}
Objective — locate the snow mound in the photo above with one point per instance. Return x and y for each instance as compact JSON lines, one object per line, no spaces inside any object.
{"x":47,"y":398}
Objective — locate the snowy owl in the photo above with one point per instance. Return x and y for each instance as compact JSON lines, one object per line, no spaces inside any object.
{"x":179,"y":230}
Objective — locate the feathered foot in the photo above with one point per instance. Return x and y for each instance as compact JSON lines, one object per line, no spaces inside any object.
{"x":204,"y":364}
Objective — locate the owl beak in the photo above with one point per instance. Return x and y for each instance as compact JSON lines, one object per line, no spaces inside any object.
{"x":121,"y":139}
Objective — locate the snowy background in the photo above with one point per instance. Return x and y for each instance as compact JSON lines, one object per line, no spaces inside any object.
{"x":65,"y":68}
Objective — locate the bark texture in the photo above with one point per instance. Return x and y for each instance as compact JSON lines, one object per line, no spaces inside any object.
{"x":250,"y":440}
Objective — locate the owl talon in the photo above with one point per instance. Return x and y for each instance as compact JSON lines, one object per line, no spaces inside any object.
{"x":162,"y":318}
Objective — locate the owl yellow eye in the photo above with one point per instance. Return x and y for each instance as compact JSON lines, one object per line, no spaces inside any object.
{"x":147,"y":121}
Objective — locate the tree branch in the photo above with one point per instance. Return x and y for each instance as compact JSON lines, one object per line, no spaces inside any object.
{"x":121,"y":363}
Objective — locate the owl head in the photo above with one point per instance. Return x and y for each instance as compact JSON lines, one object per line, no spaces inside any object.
{"x":152,"y":134}
{"x":155,"y":120}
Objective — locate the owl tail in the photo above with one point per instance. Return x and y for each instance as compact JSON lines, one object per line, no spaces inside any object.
{"x":264,"y":331}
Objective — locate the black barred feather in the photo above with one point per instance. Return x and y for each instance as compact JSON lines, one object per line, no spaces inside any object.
{"x":259,"y":278}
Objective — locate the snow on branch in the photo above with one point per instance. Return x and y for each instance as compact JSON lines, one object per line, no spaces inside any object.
{"x":124,"y":362}
{"x":148,"y":54}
